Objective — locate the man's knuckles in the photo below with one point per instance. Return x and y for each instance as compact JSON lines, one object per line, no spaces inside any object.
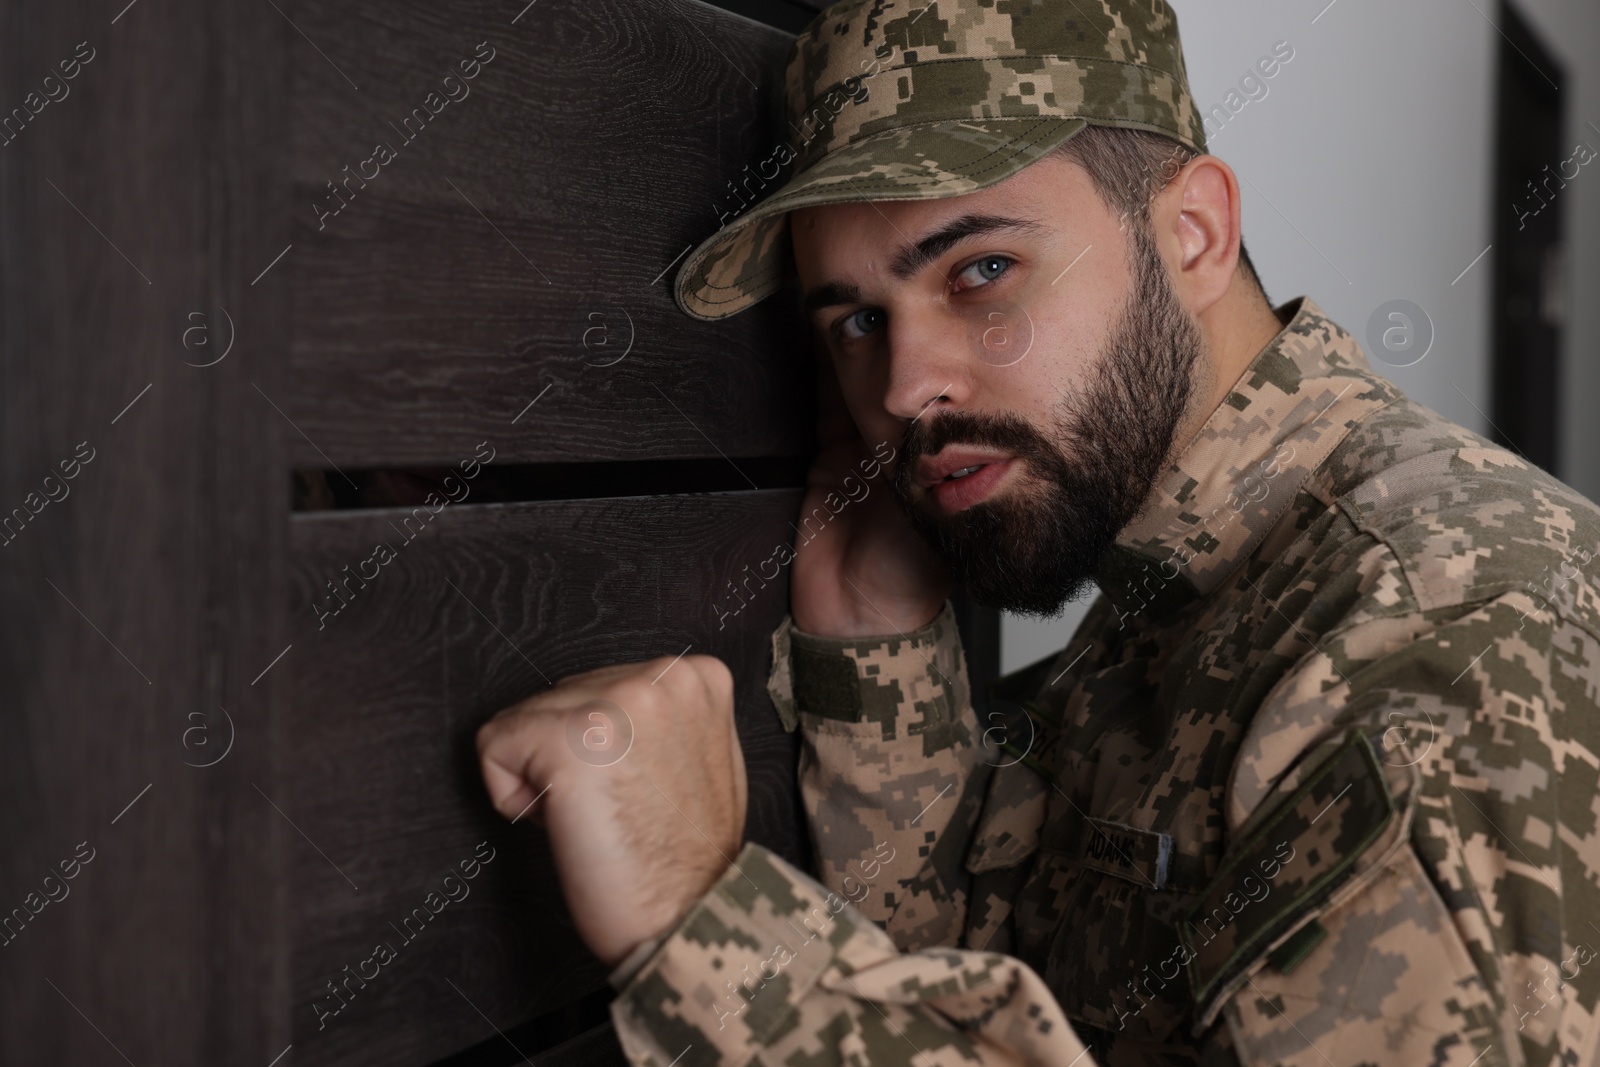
{"x":669,"y":688}
{"x":645,"y":678}
{"x":680,"y":685}
{"x":717,"y":678}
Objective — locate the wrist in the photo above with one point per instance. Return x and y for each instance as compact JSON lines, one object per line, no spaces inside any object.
{"x":669,"y":915}
{"x":626,"y":965}
{"x":891,"y":623}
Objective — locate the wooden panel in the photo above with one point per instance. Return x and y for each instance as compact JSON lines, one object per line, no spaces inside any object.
{"x":538,"y":214}
{"x":147,"y":601}
{"x":488,"y":604}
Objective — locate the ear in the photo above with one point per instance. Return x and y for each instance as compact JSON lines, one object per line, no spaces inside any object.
{"x":1196,"y":221}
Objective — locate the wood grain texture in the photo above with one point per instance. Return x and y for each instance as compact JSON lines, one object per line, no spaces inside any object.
{"x":522,"y":225}
{"x":145,"y":602}
{"x":486,"y":605}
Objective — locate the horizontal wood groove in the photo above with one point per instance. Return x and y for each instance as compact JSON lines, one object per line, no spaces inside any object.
{"x":349,"y":489}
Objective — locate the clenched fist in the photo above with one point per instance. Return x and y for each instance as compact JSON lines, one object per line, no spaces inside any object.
{"x":638,"y":777}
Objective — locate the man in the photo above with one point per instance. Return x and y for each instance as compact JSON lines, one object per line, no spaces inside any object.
{"x":1316,"y":779}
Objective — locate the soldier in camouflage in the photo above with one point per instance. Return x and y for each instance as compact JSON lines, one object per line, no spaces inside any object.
{"x":1315,"y":781}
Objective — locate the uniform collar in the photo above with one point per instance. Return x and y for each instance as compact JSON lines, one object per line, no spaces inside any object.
{"x":1211,"y":509}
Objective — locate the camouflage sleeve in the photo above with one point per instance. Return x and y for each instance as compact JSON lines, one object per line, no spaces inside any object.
{"x":770,"y":968}
{"x":1464,"y":928}
{"x":891,"y":771}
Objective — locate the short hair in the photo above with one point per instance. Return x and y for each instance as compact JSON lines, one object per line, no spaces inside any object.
{"x":1129,"y":167}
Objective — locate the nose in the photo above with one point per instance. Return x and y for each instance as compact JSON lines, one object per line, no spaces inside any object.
{"x":928,"y":365}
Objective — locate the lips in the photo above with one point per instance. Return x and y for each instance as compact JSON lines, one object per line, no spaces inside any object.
{"x":985,"y":470}
{"x":931,"y":470}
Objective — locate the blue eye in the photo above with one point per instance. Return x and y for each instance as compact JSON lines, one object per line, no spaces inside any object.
{"x":988,"y":269}
{"x":865,"y":320}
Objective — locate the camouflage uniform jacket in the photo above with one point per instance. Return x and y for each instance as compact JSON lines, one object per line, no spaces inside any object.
{"x":1314,"y":783}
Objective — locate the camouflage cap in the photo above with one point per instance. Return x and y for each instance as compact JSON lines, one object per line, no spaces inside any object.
{"x":918,"y":100}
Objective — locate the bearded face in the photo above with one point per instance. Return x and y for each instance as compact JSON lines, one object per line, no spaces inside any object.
{"x":1034,"y":548}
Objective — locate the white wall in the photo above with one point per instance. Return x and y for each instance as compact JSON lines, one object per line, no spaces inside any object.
{"x":1365,"y":171}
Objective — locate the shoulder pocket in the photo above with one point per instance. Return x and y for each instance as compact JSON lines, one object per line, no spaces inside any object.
{"x":1337,"y":824}
{"x":1383,"y":977}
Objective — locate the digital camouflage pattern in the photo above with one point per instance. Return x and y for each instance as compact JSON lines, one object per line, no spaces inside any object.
{"x":923,"y":99}
{"x":1337,"y":706}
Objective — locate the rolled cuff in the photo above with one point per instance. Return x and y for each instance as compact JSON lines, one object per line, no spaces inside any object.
{"x":849,"y":678}
{"x":737,"y":966}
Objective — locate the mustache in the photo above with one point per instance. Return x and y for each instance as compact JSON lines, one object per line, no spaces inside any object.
{"x":1006,"y":433}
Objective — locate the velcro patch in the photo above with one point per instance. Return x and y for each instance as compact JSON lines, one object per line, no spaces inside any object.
{"x":1293,"y":861}
{"x":825,"y":682}
{"x":1126,"y":851}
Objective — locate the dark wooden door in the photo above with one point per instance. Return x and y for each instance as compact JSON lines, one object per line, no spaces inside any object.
{"x":345,"y":403}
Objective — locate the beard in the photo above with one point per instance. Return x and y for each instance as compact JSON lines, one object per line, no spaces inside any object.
{"x":1031,"y":554}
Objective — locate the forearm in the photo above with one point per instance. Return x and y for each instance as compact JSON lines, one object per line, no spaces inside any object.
{"x":890,"y":772}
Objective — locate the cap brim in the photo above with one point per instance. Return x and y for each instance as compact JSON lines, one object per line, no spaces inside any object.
{"x":748,"y":259}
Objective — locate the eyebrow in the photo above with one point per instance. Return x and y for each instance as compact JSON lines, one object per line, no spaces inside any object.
{"x":914,"y":257}
{"x":918,"y":254}
{"x":830,"y":295}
